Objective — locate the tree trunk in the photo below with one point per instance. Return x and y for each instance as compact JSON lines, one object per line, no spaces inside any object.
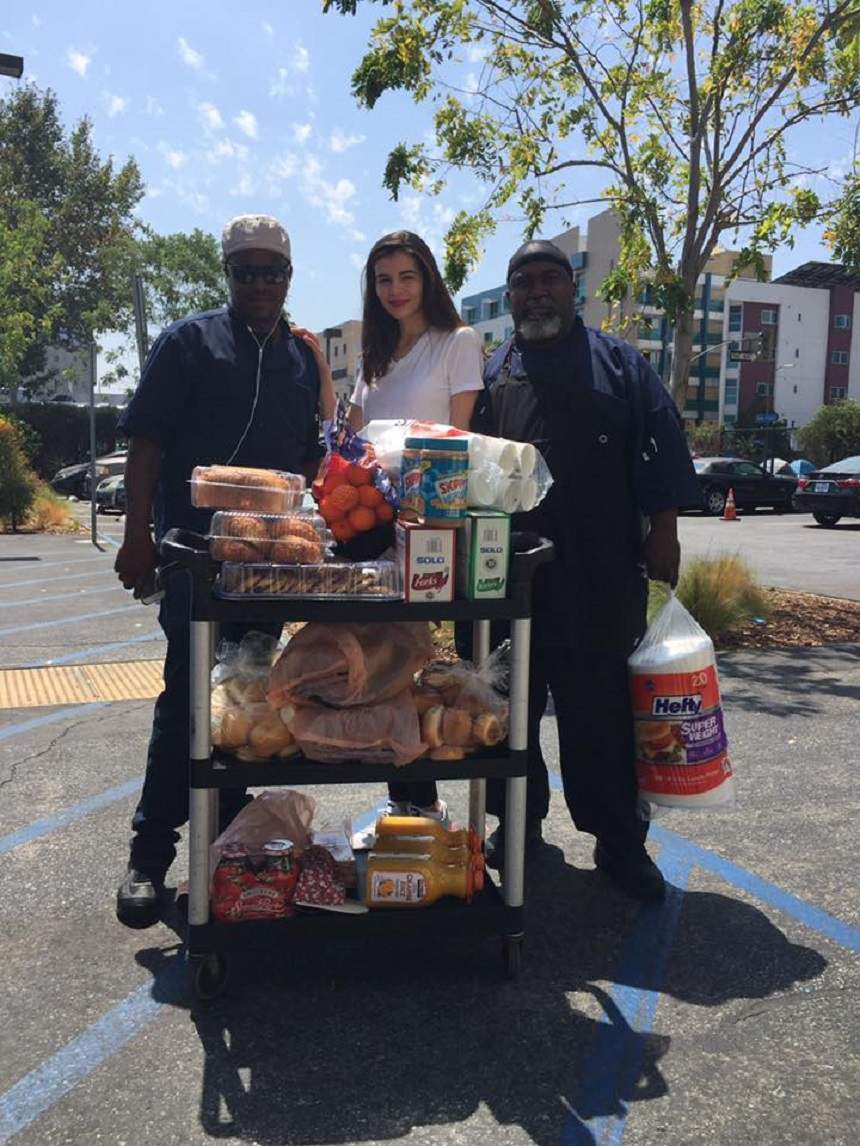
{"x":682,"y":356}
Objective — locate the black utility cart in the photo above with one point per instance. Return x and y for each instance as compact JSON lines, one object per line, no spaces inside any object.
{"x":494,"y":910}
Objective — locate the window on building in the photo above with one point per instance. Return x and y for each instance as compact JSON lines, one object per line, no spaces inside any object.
{"x":488,"y":336}
{"x":837,"y":392}
{"x":839,"y":357}
{"x":768,"y":345}
{"x":494,"y":309}
{"x":842,"y":321}
{"x":731,"y":393}
{"x":764,"y":389}
{"x":736,"y":315}
{"x":768,"y":318}
{"x":797,"y":352}
{"x":468,"y":314}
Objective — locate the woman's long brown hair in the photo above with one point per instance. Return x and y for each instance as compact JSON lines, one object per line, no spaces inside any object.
{"x":379,"y":331}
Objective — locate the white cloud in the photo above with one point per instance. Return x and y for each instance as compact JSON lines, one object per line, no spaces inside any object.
{"x":187,"y":193}
{"x":245,"y":186}
{"x":357,"y":260}
{"x":301,"y":132}
{"x":152,"y":106}
{"x":475,"y":53}
{"x":430,"y":222}
{"x":37,"y":21}
{"x":301,"y":59}
{"x":116,"y":104}
{"x":268,"y":30}
{"x":284,"y":166}
{"x":78,"y":61}
{"x":211,"y":116}
{"x":173,"y":156}
{"x":280,"y":86}
{"x":246,"y":121}
{"x":189,"y":55}
{"x":226,"y":149}
{"x":340,"y":142}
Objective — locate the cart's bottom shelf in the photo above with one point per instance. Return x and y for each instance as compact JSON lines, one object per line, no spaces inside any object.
{"x":485,"y":915}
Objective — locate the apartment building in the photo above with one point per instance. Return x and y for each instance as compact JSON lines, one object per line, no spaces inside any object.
{"x":342,"y":348}
{"x":592,"y":256}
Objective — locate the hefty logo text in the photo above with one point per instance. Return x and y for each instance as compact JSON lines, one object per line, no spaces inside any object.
{"x":690,"y":705}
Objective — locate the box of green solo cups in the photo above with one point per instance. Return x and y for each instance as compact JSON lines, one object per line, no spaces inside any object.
{"x":484,"y":553}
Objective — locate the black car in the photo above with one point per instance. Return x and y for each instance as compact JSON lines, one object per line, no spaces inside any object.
{"x":70,"y":479}
{"x":110,"y":495}
{"x":752,"y":485}
{"x":831,"y":492}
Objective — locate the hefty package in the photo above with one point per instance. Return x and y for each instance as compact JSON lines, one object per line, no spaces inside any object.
{"x":682,"y":758}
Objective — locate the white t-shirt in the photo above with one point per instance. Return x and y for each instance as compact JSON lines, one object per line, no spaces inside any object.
{"x":440,"y":364}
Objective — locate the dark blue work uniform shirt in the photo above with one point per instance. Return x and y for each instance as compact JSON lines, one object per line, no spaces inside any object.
{"x":195,"y":398}
{"x":613,"y":441}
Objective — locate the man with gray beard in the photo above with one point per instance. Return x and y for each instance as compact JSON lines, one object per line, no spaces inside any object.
{"x":614,"y":444}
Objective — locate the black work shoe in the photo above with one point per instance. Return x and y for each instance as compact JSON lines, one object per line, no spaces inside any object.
{"x":138,"y":899}
{"x":495,"y":850}
{"x":634,"y":872}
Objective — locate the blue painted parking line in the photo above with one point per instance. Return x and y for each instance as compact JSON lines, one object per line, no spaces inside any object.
{"x":10,"y":730}
{"x":805,"y":913}
{"x":39,"y":1090}
{"x":51,"y":824}
{"x":59,"y":597}
{"x":110,"y":540}
{"x":613,"y":1066}
{"x":66,"y":620}
{"x":96,"y":650}
{"x":52,"y":580}
{"x":73,"y":561}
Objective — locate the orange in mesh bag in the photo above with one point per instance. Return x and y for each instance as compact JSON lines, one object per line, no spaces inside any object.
{"x":384,"y":733}
{"x":345,"y":665}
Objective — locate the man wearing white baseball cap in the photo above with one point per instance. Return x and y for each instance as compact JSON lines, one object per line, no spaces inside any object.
{"x":236,"y":386}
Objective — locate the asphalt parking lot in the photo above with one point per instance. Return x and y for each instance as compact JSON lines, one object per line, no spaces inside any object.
{"x":727,"y":1015}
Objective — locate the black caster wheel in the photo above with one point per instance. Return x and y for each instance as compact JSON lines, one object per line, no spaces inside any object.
{"x":513,"y":955}
{"x":208,"y":976}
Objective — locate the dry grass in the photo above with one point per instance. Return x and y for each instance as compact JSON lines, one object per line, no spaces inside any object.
{"x":50,"y":514}
{"x":721,"y":593}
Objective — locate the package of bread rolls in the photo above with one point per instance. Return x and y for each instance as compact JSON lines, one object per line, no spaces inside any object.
{"x":298,"y":538}
{"x":240,"y":487}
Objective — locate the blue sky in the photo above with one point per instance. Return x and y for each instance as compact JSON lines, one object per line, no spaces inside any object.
{"x":231,"y":108}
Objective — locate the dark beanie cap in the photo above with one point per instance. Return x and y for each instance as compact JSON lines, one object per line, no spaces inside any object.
{"x":536,"y":249}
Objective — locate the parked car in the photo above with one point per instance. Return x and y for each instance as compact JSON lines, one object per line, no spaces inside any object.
{"x":110,"y":495}
{"x":108,"y":466}
{"x":752,"y":486}
{"x":831,"y":492}
{"x":70,"y":479}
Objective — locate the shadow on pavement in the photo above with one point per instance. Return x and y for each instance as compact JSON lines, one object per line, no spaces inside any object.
{"x":789,"y":682}
{"x":364,"y":1042}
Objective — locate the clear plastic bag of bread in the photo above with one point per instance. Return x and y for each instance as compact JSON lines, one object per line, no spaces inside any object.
{"x":344,"y":665}
{"x":384,"y":733}
{"x":242,"y":721}
{"x":460,"y":710}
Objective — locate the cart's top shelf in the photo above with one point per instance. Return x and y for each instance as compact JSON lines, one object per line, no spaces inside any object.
{"x":190,"y":551}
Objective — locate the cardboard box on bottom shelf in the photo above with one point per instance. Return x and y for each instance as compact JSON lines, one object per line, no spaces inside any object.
{"x":483,"y":555}
{"x":427,"y":559}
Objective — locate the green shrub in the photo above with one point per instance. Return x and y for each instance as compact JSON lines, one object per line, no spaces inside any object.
{"x":17,"y":481}
{"x":720,"y":592}
{"x":64,"y":433}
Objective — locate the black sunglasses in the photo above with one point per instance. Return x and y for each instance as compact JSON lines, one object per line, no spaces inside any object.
{"x":273,"y":275}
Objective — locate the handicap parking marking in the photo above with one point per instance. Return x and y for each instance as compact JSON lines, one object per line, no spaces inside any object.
{"x":51,"y":580}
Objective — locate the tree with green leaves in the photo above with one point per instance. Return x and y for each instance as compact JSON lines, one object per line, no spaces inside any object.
{"x":53,"y":183}
{"x":686,"y":112}
{"x":26,"y":281}
{"x":833,"y":434}
{"x":182,"y":274}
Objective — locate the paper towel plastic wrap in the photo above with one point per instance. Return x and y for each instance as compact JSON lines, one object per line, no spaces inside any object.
{"x":505,"y":475}
{"x":682,"y":758}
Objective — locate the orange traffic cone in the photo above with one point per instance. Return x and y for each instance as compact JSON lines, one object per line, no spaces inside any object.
{"x":730,"y":512}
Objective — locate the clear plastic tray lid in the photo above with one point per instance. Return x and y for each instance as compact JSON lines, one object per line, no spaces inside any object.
{"x":296,"y":538}
{"x":240,"y":487}
{"x":325,"y":581}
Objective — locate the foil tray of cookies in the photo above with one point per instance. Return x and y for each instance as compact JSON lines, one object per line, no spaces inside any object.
{"x":324,"y":581}
{"x":241,"y":487}
{"x":298,"y":538}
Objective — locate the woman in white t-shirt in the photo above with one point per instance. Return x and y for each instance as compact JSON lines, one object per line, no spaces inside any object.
{"x":418,"y":361}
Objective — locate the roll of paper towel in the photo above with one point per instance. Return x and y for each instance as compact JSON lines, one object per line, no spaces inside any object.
{"x":484,"y":486}
{"x":527,"y":494}
{"x":496,"y":450}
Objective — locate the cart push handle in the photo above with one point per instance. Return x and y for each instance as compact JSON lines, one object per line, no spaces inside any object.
{"x":528,"y":552}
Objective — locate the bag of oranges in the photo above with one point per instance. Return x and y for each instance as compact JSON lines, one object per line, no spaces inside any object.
{"x":354,"y":494}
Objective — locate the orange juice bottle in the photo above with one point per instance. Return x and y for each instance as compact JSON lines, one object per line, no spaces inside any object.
{"x":416,"y":880}
{"x":421,"y":834}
